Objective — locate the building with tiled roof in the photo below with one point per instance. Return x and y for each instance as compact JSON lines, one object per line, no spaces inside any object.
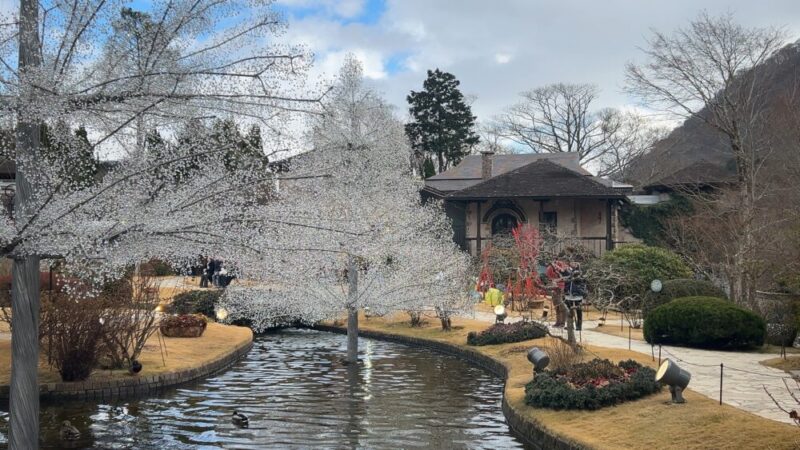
{"x":488,"y":194}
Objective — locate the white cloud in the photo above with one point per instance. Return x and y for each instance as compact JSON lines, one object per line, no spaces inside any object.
{"x":527,"y":43}
{"x":502,"y":58}
{"x":371,"y":61}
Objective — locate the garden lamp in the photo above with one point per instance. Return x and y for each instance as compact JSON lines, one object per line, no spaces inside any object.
{"x":538,"y":358}
{"x":221,"y":314}
{"x":500,"y":314}
{"x":676,"y":378}
{"x":656,"y":285}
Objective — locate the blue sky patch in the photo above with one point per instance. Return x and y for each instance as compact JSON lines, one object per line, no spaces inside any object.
{"x":370,"y":15}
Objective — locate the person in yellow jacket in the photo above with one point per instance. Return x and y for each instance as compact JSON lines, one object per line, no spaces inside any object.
{"x":494,"y":296}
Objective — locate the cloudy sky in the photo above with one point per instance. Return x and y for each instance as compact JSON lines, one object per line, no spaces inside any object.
{"x":502,"y":47}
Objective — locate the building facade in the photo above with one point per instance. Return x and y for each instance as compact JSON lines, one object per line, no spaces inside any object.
{"x":489,"y":194}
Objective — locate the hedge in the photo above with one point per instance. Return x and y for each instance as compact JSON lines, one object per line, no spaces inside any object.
{"x":591,"y":385}
{"x":704,"y":322}
{"x":195,"y":302}
{"x":502,"y":333}
{"x":647,"y":263}
{"x":679,"y":288}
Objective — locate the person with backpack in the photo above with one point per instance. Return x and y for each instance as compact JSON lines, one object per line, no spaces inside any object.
{"x":575,"y":291}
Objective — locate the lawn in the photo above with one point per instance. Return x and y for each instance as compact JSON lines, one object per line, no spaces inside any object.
{"x":785,"y":364}
{"x":651,"y":422}
{"x":181,"y":353}
{"x":613,"y":329}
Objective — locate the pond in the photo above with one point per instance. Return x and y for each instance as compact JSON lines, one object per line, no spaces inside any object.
{"x":297,"y":394}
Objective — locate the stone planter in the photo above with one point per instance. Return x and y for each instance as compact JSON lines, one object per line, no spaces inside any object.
{"x":186,"y":332}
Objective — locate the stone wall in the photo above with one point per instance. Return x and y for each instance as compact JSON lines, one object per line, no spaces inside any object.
{"x":134,"y":386}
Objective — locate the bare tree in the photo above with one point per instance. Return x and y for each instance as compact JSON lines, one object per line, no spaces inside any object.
{"x":635,"y":136}
{"x":717,"y":72}
{"x":559,"y":118}
{"x":492,"y":140}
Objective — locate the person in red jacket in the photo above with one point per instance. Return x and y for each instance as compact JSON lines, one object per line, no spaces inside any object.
{"x":555,"y":273}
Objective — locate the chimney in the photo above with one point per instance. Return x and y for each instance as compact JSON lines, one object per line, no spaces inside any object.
{"x":486,"y":164}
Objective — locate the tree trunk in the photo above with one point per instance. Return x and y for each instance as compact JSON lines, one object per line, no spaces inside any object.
{"x":570,"y":325}
{"x":352,"y":311}
{"x":24,"y":392}
{"x":24,"y":399}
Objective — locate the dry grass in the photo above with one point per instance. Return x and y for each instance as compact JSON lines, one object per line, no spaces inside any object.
{"x":790,"y":363}
{"x":184,"y":284}
{"x":182,"y":353}
{"x":613,"y":329}
{"x":648,"y":423}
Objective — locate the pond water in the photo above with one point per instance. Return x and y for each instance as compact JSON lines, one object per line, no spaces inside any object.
{"x":297,"y":394}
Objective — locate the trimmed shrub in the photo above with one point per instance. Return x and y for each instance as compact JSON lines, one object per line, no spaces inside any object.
{"x":679,"y":288}
{"x":704,"y":322}
{"x":195,"y":302}
{"x":591,"y":385}
{"x":502,"y":333}
{"x":646,"y":264}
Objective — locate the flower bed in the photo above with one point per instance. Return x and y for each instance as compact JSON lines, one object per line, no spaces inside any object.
{"x":501,"y":333}
{"x":184,"y":325}
{"x":591,"y":385}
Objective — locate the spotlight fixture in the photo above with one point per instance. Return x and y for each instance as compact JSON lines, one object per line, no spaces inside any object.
{"x":500,"y":314}
{"x":538,"y":358}
{"x":676,"y":378}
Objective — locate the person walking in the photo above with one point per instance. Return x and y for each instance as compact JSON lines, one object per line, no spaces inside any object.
{"x":575,"y":292}
{"x":217,"y":267}
{"x":555,"y":273}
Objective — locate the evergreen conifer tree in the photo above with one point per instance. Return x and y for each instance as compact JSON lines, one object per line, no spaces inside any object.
{"x":443,"y":127}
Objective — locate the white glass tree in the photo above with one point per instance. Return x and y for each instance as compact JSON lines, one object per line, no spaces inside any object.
{"x":371,"y":244}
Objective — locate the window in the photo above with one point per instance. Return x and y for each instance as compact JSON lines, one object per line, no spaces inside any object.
{"x":549,"y":221}
{"x":503,"y":223}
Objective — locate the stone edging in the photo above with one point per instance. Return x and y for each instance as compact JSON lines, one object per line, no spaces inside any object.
{"x":135,"y":386}
{"x":532,"y":432}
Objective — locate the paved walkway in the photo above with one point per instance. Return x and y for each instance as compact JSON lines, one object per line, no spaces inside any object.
{"x":743,"y":380}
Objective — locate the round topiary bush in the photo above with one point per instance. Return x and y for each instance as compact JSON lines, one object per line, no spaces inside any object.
{"x":502,"y":333}
{"x":679,"y":288}
{"x":704,"y":322}
{"x":195,"y":302}
{"x":591,"y":385}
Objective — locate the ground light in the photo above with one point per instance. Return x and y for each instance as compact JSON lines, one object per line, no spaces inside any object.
{"x":676,"y":378}
{"x":538,"y":358}
{"x":500,"y":314}
{"x":221,"y":314}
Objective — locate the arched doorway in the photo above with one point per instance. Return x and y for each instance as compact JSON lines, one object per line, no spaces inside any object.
{"x":503,"y":223}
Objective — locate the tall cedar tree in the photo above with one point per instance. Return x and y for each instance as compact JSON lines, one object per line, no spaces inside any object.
{"x":443,"y":126}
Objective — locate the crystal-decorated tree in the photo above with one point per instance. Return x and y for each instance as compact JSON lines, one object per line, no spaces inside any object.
{"x":371,"y":244}
{"x":122,"y":73}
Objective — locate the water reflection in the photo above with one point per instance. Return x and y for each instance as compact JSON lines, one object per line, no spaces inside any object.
{"x":298,"y":394}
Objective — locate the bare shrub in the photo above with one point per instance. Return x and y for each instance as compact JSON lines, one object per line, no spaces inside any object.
{"x":71,"y":333}
{"x":130,"y":318}
{"x":562,"y":355}
{"x":416,"y":318}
